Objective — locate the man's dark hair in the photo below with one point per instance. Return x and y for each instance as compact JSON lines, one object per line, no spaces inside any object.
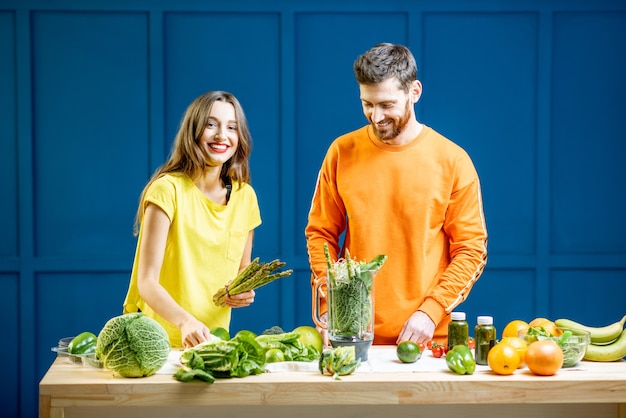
{"x":385,"y":61}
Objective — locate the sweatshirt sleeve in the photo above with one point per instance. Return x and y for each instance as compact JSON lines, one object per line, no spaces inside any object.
{"x":327,"y":216}
{"x":465,"y":226}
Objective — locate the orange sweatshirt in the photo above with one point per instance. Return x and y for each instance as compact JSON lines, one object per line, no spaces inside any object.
{"x":420,"y":204}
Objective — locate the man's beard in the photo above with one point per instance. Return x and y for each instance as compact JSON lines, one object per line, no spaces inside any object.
{"x":396,"y":127}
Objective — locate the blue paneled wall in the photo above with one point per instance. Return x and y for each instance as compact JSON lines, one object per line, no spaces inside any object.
{"x":91,"y":96}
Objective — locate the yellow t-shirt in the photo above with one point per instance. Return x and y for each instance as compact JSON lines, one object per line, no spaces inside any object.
{"x":203,"y":249}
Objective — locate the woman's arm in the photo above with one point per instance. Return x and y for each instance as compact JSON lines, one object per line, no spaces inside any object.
{"x":156,"y":225}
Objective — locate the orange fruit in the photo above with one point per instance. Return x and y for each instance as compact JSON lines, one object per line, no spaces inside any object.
{"x":518,"y":344}
{"x":503,"y":359}
{"x":544,"y":357}
{"x":550,"y":327}
{"x":535,"y":322}
{"x":513,"y":328}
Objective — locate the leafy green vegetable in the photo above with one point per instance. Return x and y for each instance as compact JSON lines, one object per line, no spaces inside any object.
{"x":221,"y":333}
{"x":238,"y":357}
{"x":133,"y":345}
{"x":289,"y":343}
{"x":241,"y":356}
{"x":564,"y":337}
{"x":251,"y":356}
{"x":351,"y":285}
{"x":285,"y":337}
{"x":187,"y":375}
{"x":571,"y":349}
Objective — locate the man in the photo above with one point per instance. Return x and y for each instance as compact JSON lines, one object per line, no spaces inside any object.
{"x":397,"y":187}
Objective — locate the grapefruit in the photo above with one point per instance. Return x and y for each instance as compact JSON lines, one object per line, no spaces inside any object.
{"x":544,"y":357}
{"x":310,"y":336}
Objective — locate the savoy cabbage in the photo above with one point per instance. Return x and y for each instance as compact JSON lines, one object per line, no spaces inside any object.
{"x":133,"y":345}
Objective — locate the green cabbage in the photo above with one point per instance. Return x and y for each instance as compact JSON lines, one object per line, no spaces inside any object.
{"x":133,"y":345}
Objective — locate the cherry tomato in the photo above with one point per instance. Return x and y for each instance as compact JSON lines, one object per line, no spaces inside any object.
{"x":471,"y":343}
{"x":430,"y":344}
{"x":422,"y":346}
{"x":445,"y":349}
{"x":437,"y":350}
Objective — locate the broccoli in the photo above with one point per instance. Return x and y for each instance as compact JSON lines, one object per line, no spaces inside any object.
{"x":273,"y":331}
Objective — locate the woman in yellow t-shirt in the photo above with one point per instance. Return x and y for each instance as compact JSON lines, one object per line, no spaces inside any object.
{"x":195,"y":223}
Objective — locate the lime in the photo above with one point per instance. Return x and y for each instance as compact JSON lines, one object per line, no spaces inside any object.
{"x":246,"y":333}
{"x":310,"y":337}
{"x":408,"y":352}
{"x":221,"y":333}
{"x":274,"y":355}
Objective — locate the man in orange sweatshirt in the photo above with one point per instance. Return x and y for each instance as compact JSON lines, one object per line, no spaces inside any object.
{"x":397,"y":187}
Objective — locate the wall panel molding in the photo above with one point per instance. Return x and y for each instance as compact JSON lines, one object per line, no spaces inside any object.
{"x":91,"y":95}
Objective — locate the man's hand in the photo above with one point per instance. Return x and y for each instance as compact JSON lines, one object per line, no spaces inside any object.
{"x":324,"y":331}
{"x":418,"y":328}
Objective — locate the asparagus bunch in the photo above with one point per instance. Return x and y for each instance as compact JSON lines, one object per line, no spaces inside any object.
{"x":255,"y":275}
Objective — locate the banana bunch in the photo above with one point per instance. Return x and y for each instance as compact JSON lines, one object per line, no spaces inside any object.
{"x":608,"y":343}
{"x":339,"y":361}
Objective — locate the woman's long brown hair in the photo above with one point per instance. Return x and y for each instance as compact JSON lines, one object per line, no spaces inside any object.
{"x":189,"y":158}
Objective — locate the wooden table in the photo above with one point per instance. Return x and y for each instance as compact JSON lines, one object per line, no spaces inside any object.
{"x":385,"y":388}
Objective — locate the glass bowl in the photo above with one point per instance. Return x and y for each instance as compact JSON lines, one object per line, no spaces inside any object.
{"x":64,"y":342}
{"x":89,"y":359}
{"x":63,"y":352}
{"x":574,"y":343}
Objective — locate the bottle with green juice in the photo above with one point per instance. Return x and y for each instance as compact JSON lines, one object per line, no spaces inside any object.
{"x":458,"y":330}
{"x":485,"y":336}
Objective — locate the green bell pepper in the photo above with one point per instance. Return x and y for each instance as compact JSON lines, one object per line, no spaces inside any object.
{"x":460,"y":360}
{"x":83,"y":343}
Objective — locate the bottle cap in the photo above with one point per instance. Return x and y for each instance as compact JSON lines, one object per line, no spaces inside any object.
{"x":457,"y":316}
{"x":485,"y":320}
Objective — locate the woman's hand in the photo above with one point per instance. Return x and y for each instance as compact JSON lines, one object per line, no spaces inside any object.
{"x":194,"y":332}
{"x":241,"y":300}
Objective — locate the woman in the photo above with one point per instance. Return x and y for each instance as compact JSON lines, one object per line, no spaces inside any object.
{"x":195,"y":224}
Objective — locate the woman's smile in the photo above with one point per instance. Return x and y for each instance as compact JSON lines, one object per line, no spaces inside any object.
{"x":219,"y":147}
